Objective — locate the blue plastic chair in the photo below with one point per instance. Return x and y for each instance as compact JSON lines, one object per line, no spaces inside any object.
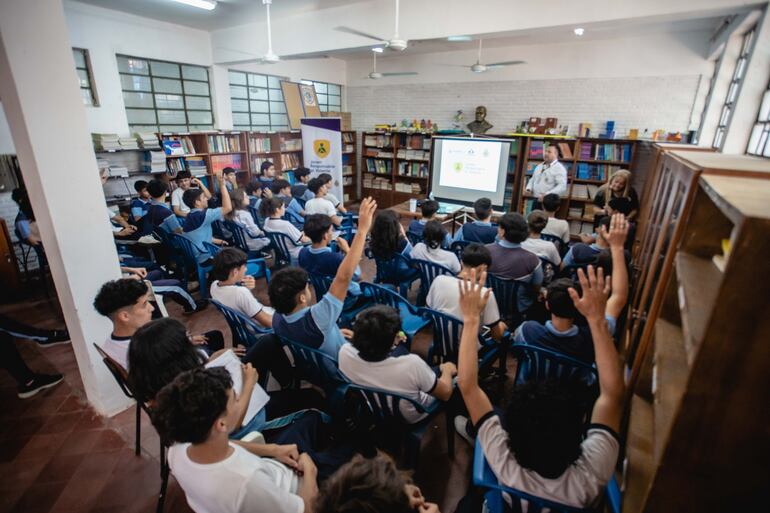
{"x":413,"y":238}
{"x":280,"y":242}
{"x":457,"y":248}
{"x":289,"y":177}
{"x":239,"y":238}
{"x":428,"y":272}
{"x":560,"y":245}
{"x":484,"y":477}
{"x":447,"y":331}
{"x":536,"y":363}
{"x":385,"y":409}
{"x":507,"y":296}
{"x":245,"y":331}
{"x":294,"y":219}
{"x":321,"y":284}
{"x":389,"y":271}
{"x":190,"y":260}
{"x":411,"y":320}
{"x":257,"y":219}
{"x":320,"y":369}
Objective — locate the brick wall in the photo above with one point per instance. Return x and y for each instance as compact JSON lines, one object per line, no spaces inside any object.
{"x":632,"y":102}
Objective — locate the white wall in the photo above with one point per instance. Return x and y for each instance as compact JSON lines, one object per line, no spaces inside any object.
{"x":590,"y":81}
{"x":6,"y":142}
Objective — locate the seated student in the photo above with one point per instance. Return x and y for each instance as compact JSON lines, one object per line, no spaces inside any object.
{"x":319,"y":259}
{"x":254,"y":192}
{"x":428,"y":209}
{"x":281,"y":189}
{"x":266,"y":174}
{"x":557,"y":227}
{"x":373,"y":485}
{"x":25,"y":218}
{"x":140,"y":205}
{"x":587,"y":252}
{"x":512,"y":262}
{"x":126,"y":302}
{"x":430,"y":248}
{"x":444,"y":293}
{"x":388,"y":238}
{"x":536,"y":221}
{"x":481,"y":230}
{"x":561,"y":333}
{"x":272,"y":210}
{"x":240,"y":215}
{"x":231,"y":178}
{"x":299,"y":189}
{"x":184,"y":181}
{"x":197,"y":225}
{"x":327,"y":180}
{"x":158,"y":214}
{"x":289,"y":291}
{"x":539,"y":445}
{"x":615,"y":206}
{"x":320,"y":204}
{"x":368,"y":362}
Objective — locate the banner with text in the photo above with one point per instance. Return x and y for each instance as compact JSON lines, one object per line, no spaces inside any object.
{"x":322,"y":150}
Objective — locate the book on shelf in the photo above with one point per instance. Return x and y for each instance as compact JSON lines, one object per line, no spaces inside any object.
{"x":576,"y":212}
{"x":376,"y":182}
{"x":587,"y":227}
{"x":417,"y":169}
{"x":347,"y":170}
{"x":147,"y":140}
{"x":219,"y":162}
{"x":154,"y":162}
{"x":592,"y":190}
{"x":128,"y":143}
{"x":348,"y":137}
{"x":580,"y":191}
{"x":566,"y":151}
{"x":173,"y":166}
{"x":106,"y":142}
{"x":224,"y":143}
{"x":379,"y":166}
{"x":290,"y":161}
{"x":378,"y":140}
{"x":349,"y":148}
{"x":531,"y":168}
{"x":260,"y":145}
{"x":536,"y":149}
{"x":608,"y":151}
{"x":182,"y":145}
{"x":291,"y":144}
{"x":196,"y":166}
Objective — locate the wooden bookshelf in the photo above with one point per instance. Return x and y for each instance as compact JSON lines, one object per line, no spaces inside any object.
{"x":698,"y":396}
{"x":283,"y":149}
{"x":205,"y":152}
{"x":349,"y":166}
{"x":395,"y":166}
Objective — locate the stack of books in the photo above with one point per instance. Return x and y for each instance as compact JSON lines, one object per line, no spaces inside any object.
{"x":261,"y":145}
{"x":121,"y":171}
{"x":378,"y":140}
{"x":290,"y":160}
{"x":106,"y":142}
{"x":128,"y":143}
{"x":154,"y":162}
{"x":585,"y":151}
{"x":196,"y":166}
{"x":291,"y":144}
{"x":147,"y":140}
{"x":536,"y":150}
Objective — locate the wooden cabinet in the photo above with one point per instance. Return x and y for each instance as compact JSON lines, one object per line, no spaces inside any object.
{"x":698,"y":352}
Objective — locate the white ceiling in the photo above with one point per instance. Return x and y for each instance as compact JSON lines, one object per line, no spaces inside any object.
{"x":228,"y":13}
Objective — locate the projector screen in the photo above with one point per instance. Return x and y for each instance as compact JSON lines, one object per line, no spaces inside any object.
{"x":464,"y":170}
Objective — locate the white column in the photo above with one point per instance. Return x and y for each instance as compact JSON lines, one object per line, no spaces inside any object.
{"x":220,"y":94}
{"x":47,"y":118}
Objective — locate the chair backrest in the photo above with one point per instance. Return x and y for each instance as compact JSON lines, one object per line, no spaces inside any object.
{"x":237,"y":235}
{"x":321,"y":284}
{"x":294,"y":219}
{"x":289,"y":177}
{"x":280,"y":243}
{"x":388,"y":270}
{"x":484,"y":477}
{"x":428,"y":272}
{"x":570,"y":271}
{"x":185,"y":247}
{"x":560,"y":245}
{"x":218,"y":230}
{"x":549,"y":270}
{"x":118,"y":372}
{"x":414,"y":238}
{"x":457,"y":248}
{"x":384,"y":406}
{"x":446,"y":335}
{"x":314,"y":366}
{"x":537,"y":363}
{"x":257,"y":219}
{"x":385,"y":296}
{"x":506,"y":294}
{"x":212,"y":248}
{"x":245,"y":331}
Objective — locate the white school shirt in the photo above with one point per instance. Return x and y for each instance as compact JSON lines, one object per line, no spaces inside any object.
{"x":255,"y":238}
{"x":243,"y":482}
{"x":543,"y":248}
{"x":438,"y":256}
{"x":548,"y":179}
{"x":406,"y":375}
{"x":333,"y":199}
{"x":176,"y":200}
{"x":580,"y":484}
{"x":444,"y":296}
{"x":117,"y":349}
{"x":284,"y":226}
{"x":238,"y":298}
{"x":320,"y":206}
{"x":558,"y":227}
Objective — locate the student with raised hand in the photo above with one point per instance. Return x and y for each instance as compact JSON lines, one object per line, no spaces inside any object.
{"x":197,"y":225}
{"x":540,"y":447}
{"x":371,"y":485}
{"x":561,"y":333}
{"x":289,"y":290}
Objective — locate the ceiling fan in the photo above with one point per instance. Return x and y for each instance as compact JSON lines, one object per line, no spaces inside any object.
{"x":269,"y":57}
{"x":394,"y":43}
{"x":374,"y":75}
{"x":481,"y":68}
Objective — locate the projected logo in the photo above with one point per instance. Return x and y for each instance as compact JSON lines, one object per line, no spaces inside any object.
{"x":321,"y":148}
{"x":458,"y":167}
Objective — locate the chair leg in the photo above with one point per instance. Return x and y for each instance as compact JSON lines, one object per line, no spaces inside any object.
{"x":164,"y":473}
{"x":138,"y":448}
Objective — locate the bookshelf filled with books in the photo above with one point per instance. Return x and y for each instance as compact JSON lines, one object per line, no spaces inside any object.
{"x":283,"y":149}
{"x":349,"y":167}
{"x":203,"y":153}
{"x":127,"y":160}
{"x":395,"y":166}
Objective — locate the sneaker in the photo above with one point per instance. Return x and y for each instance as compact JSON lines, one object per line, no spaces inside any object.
{"x":57,"y":338}
{"x":199,"y":305}
{"x":38,"y":383}
{"x":461,"y":426}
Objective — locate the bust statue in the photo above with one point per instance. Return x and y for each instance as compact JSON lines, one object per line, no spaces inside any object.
{"x":480,"y":124}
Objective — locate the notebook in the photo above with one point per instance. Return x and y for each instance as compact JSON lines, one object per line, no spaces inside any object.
{"x":232,"y":363}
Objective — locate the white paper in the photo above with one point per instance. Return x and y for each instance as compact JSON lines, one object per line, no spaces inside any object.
{"x":232,"y":363}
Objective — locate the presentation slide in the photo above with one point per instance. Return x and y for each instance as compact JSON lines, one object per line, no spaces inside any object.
{"x":470,"y":165}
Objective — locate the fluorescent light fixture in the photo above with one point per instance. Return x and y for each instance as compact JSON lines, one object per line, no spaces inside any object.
{"x":209,"y":5}
{"x":459,"y":39}
{"x":378,"y":49}
{"x":579,"y":31}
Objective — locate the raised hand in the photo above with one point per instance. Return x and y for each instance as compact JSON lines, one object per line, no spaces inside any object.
{"x":473,"y":299}
{"x":366,"y":214}
{"x":616,"y":235}
{"x":596,"y":290}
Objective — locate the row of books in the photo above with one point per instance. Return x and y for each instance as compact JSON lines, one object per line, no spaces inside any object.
{"x":413,"y":154}
{"x":379,"y":166}
{"x":196,"y":166}
{"x":412,"y":169}
{"x":106,"y":142}
{"x":347,"y":170}
{"x":348,"y":148}
{"x":376,"y":182}
{"x":347,"y":180}
{"x":374,"y":152}
{"x":223,"y":143}
{"x":289,"y":161}
{"x":537,"y":149}
{"x":584,"y":191}
{"x":409,"y":188}
{"x":378,"y":140}
{"x":291,"y":144}
{"x":414,"y":141}
{"x":609,"y":151}
{"x":585,"y":171}
{"x":176,"y":146}
{"x":154,"y":162}
{"x":348,"y":137}
{"x":147,"y":140}
{"x":260,"y":145}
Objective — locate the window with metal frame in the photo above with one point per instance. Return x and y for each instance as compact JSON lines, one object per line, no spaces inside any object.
{"x":257,"y":101}
{"x":329,"y":95}
{"x":162,"y":96}
{"x":759,"y":142}
{"x":734,"y":89}
{"x":85,"y":77}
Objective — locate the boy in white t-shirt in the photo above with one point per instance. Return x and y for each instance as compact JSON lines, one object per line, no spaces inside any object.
{"x":557,"y":227}
{"x":320,"y":204}
{"x":537,"y":220}
{"x":272,"y":210}
{"x":327,"y":180}
{"x":369,"y":361}
{"x":539,"y":447}
{"x":197,"y":411}
{"x":184,"y":181}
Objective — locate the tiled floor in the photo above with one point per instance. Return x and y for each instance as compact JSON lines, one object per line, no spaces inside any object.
{"x":58,"y":455}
